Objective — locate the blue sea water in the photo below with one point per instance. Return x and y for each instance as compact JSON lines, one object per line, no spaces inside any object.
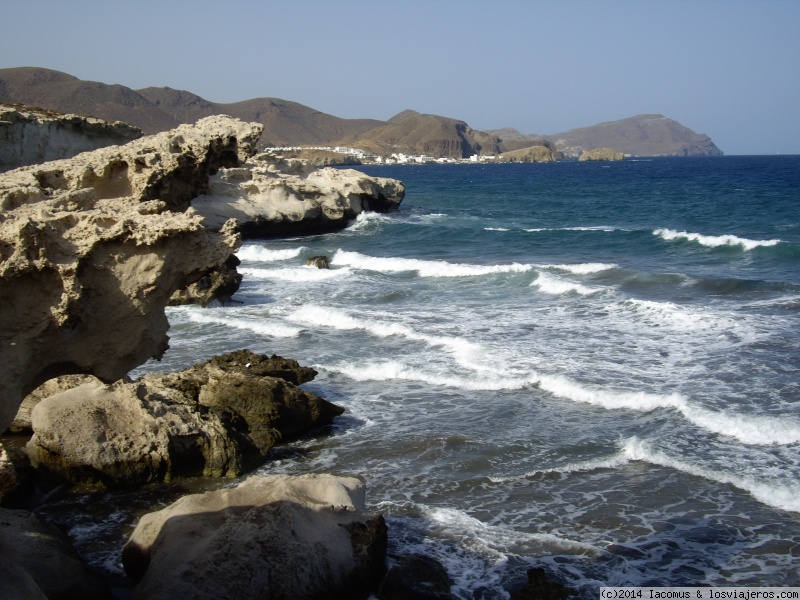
{"x":588,"y":367}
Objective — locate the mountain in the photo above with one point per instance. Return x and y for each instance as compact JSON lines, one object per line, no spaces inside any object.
{"x":642,"y":135}
{"x":288,"y":123}
{"x":413,"y":133}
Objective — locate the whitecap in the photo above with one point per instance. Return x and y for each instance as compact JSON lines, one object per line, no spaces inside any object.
{"x":367,"y":221}
{"x":780,"y":492}
{"x":391,"y":370}
{"x":556,"y":286}
{"x":580,"y":268}
{"x":297,"y":274}
{"x":714,"y":241}
{"x":425,"y":268}
{"x":261,"y":327}
{"x":256,"y":253}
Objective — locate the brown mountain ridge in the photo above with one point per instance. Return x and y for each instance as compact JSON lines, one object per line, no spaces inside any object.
{"x":289,"y":123}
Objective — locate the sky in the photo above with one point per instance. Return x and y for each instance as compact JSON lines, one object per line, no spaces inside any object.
{"x":726,"y":68}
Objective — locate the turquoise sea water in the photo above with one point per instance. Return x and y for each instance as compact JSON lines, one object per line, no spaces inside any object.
{"x":589,"y":367}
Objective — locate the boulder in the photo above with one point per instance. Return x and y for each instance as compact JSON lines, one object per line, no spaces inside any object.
{"x":321,"y":262}
{"x":30,"y":135}
{"x":93,"y":247}
{"x":217,"y":419}
{"x":416,"y":577}
{"x":38,"y":561}
{"x":271,"y":197}
{"x":602,"y":154}
{"x":275,"y":537}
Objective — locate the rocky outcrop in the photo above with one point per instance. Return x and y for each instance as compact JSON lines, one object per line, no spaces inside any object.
{"x":218,"y":418}
{"x":530,"y":154}
{"x":22,"y":422}
{"x":93,"y":247}
{"x":271,"y":537}
{"x":601,"y":154}
{"x":29,"y":135}
{"x":38,"y":562}
{"x":217,"y":285}
{"x":269,"y":197}
{"x":416,"y":577}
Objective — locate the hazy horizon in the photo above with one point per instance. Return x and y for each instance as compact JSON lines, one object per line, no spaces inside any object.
{"x":725,"y":68}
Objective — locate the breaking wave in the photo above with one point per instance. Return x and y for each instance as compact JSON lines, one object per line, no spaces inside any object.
{"x":713,"y":241}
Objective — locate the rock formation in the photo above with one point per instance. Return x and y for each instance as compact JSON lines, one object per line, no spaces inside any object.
{"x":601,"y":154}
{"x":268,"y":198}
{"x":271,"y":537}
{"x":218,"y":418}
{"x":38,"y":562}
{"x":93,"y":247}
{"x":530,"y":154}
{"x":29,"y":136}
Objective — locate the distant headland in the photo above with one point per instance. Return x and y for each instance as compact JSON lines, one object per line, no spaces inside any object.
{"x":287,"y":123}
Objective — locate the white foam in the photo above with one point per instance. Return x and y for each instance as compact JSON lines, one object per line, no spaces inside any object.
{"x":425,"y":268}
{"x":255,"y":253}
{"x":494,"y":538}
{"x":301,"y":273}
{"x":605,"y":228}
{"x":610,"y":462}
{"x":367,"y":221}
{"x":556,"y":286}
{"x":713,"y":241}
{"x":392,"y":370}
{"x":268,"y":329}
{"x":496,"y":229}
{"x":680,"y":318}
{"x":780,"y":492}
{"x":581,"y":268}
{"x":752,"y":430}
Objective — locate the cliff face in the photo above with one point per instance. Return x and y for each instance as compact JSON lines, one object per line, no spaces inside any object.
{"x":29,"y":136}
{"x":92,"y":248}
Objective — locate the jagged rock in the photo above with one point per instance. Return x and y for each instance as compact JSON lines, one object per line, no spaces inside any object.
{"x":276,"y":537}
{"x":218,"y":285}
{"x":530,"y":154}
{"x":267,"y":202}
{"x":218,"y":418}
{"x":540,"y":587}
{"x":602,"y":154}
{"x":321,"y":262}
{"x":92,"y":248}
{"x":38,"y":561}
{"x":416,"y":577}
{"x":31,"y":135}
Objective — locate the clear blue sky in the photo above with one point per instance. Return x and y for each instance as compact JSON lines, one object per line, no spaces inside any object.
{"x":727,"y":68}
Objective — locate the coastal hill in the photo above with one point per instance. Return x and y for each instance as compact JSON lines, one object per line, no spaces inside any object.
{"x":289,"y":123}
{"x":642,"y":135}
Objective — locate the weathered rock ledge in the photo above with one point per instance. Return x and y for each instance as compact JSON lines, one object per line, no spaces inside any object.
{"x":276,"y":537}
{"x":30,"y":136}
{"x":93,"y":247}
{"x":269,"y":197}
{"x":216,"y":419}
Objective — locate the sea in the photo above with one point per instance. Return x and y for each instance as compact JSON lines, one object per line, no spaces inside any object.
{"x":591,"y":368}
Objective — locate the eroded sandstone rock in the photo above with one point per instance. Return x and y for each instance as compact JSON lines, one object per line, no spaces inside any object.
{"x":38,"y":561}
{"x":93,"y":247}
{"x":269,"y":198}
{"x":218,"y":419}
{"x":276,"y":537}
{"x":29,"y":135}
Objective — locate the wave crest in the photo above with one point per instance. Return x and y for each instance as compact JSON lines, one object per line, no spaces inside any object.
{"x":713,"y":241}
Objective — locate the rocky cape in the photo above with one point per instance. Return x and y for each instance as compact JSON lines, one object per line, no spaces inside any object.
{"x":288,"y":123}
